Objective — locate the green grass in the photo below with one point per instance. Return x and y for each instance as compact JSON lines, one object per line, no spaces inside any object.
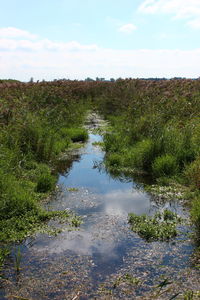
{"x":165,"y":166}
{"x":37,"y":124}
{"x":76,"y":134}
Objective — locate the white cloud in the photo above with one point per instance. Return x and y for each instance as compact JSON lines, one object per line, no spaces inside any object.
{"x":12,"y":32}
{"x":180,"y":9}
{"x":127,"y":28}
{"x":24,"y":58}
{"x":194,"y":23}
{"x":45,"y":44}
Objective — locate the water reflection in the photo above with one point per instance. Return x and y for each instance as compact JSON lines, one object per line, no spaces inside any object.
{"x":104,"y":201}
{"x":104,"y":245}
{"x":120,"y":202}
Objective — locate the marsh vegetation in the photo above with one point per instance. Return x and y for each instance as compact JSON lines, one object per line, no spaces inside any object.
{"x":152,"y":142}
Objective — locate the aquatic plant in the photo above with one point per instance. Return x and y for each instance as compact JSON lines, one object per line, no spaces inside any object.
{"x":160,"y":227}
{"x":18,"y":258}
{"x":72,"y":189}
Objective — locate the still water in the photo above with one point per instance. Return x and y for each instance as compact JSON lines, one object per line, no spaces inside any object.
{"x":94,"y":261}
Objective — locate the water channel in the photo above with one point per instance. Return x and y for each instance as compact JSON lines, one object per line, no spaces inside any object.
{"x":103,"y":259}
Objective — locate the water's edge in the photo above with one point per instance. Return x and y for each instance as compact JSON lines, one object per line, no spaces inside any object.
{"x":104,"y":258}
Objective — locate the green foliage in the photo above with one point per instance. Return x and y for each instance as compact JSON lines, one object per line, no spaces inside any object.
{"x":126,"y":278}
{"x":192,"y":173}
{"x":156,"y":129}
{"x":18,"y":257}
{"x":4,"y":251}
{"x":76,"y":134}
{"x":15,"y":199}
{"x":114,"y":142}
{"x":142,"y":154}
{"x":165,"y":165}
{"x":37,"y":123}
{"x":160,"y":227}
{"x":46,"y":183}
{"x":195,"y":214}
{"x":114,"y":160}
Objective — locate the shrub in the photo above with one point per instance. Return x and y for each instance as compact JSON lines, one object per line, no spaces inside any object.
{"x":165,"y":165}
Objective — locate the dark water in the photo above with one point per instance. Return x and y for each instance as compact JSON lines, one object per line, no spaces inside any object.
{"x":87,"y":262}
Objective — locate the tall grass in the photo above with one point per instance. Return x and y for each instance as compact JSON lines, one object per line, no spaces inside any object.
{"x":37,"y":123}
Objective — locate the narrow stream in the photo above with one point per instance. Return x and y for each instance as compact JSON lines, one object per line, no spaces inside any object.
{"x":95,"y":261}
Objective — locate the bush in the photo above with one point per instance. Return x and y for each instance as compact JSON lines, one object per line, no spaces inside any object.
{"x":165,"y":165}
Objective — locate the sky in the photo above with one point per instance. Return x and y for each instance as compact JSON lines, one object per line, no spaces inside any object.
{"x":76,"y":39}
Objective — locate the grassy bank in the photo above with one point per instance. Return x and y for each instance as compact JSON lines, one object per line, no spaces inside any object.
{"x":155,"y":132}
{"x":37,"y":123}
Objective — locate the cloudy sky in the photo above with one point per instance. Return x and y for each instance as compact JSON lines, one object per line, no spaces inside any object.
{"x":75,"y":39}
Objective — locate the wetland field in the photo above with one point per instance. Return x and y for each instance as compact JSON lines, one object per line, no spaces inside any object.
{"x":100,"y":189}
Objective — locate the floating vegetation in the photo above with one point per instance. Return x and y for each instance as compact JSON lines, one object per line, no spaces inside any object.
{"x":167,"y":192}
{"x":98,"y":144}
{"x":72,"y":189}
{"x":160,"y":227}
{"x":128,"y":278}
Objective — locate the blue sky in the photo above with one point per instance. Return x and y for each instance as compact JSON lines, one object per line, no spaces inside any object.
{"x":50,"y":39}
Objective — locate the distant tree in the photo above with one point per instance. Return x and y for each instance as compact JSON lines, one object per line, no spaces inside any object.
{"x":89,"y":79}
